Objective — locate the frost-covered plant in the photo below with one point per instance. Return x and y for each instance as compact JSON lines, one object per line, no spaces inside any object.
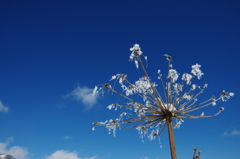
{"x":158,"y":109}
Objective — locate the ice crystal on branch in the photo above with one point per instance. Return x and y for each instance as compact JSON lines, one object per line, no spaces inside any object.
{"x":196,"y":71}
{"x":161,"y":103}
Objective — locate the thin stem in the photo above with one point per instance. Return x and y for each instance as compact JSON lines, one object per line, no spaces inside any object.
{"x":171,"y":139}
{"x":153,"y":88}
{"x":107,"y":85}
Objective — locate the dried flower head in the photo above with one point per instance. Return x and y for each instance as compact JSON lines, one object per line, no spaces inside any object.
{"x":158,"y":108}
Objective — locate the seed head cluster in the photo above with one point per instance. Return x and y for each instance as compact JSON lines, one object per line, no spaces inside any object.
{"x":168,"y":101}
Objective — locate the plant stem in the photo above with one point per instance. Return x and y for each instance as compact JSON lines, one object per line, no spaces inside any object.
{"x":171,"y":139}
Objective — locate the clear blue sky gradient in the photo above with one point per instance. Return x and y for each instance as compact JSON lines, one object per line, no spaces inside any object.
{"x":50,"y":47}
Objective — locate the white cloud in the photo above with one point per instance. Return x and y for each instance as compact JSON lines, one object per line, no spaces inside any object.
{"x":144,"y":158}
{"x":84,"y":95}
{"x":67,"y":137}
{"x":3,"y":108}
{"x":62,"y":154}
{"x":15,"y":151}
{"x":233,"y":132}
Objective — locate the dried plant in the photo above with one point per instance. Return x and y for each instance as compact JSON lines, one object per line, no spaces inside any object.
{"x":195,"y":156}
{"x":158,"y":109}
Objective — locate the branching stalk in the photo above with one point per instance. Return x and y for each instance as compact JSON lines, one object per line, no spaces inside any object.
{"x":155,"y":112}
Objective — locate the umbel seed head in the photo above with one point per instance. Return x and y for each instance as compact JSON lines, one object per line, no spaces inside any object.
{"x":151,"y":115}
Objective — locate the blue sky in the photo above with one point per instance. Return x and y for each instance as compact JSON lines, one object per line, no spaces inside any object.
{"x":54,"y":52}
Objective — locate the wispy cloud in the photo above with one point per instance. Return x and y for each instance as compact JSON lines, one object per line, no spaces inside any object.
{"x":62,"y":154}
{"x":15,"y":151}
{"x":83,"y":95}
{"x":3,"y":108}
{"x":61,"y":105}
{"x":233,"y":132}
{"x":144,"y":158}
{"x":67,"y":137}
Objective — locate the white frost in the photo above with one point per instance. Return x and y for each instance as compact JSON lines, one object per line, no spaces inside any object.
{"x":196,"y":70}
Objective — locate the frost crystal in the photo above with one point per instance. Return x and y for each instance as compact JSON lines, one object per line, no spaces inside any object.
{"x":194,"y":87}
{"x":177,"y":87}
{"x":178,"y":123}
{"x":110,"y":106}
{"x":95,"y":91}
{"x":187,"y":77}
{"x":196,"y":70}
{"x":173,"y":75}
{"x":225,"y":95}
{"x":136,"y":53}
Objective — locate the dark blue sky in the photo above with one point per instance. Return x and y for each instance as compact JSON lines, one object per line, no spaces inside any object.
{"x":49,"y":48}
